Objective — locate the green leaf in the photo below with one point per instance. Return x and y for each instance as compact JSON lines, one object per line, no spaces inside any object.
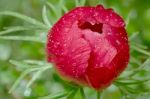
{"x":133,"y":36}
{"x":103,"y":2}
{"x":25,"y":18}
{"x":23,"y":38}
{"x":36,"y":75}
{"x":129,"y":17}
{"x":19,"y":64}
{"x":64,"y":9}
{"x":123,"y":92}
{"x":145,"y":64}
{"x":82,"y":2}
{"x":55,"y":95}
{"x":131,"y":82}
{"x":45,"y":17}
{"x":31,"y":64}
{"x":134,"y":60}
{"x":72,"y":94}
{"x":21,"y":77}
{"x":13,"y":30}
{"x":140,"y":50}
{"x":31,"y":68}
{"x":139,"y":45}
{"x":82,"y":93}
{"x":77,"y":3}
{"x":137,"y":70}
{"x":35,"y":62}
{"x":57,"y":11}
{"x":62,"y":5}
{"x":132,"y":90}
{"x":16,"y":28}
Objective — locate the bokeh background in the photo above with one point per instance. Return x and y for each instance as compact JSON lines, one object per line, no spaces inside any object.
{"x":24,"y":53}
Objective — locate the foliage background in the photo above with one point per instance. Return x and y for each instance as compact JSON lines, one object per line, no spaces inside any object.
{"x":27,"y":53}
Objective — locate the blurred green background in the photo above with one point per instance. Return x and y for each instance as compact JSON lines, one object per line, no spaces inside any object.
{"x":135,"y":12}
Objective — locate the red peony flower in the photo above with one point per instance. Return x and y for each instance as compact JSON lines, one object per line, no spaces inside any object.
{"x":89,"y":46}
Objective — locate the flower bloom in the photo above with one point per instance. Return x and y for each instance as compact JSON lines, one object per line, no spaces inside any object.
{"x":89,"y":46}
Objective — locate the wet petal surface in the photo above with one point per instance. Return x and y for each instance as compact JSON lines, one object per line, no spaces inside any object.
{"x":89,"y":45}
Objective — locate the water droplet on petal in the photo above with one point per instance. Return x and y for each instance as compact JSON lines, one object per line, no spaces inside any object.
{"x":118,"y":42}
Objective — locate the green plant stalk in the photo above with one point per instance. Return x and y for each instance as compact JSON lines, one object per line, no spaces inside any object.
{"x":82,"y":93}
{"x":98,"y":95}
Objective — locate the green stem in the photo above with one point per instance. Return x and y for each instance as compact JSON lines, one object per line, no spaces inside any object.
{"x":82,"y":93}
{"x":72,"y":94}
{"x":98,"y":94}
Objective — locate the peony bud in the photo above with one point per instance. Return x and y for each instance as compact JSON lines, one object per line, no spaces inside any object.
{"x":89,"y":46}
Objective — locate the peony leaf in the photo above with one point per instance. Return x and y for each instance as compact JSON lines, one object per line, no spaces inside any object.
{"x":45,"y":17}
{"x":55,"y":95}
{"x":25,"y":18}
{"x":23,"y":38}
{"x":21,"y":78}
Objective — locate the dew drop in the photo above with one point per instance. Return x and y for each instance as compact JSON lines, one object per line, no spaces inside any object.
{"x":109,"y":33}
{"x":66,"y":29}
{"x":117,"y":41}
{"x":64,"y":45}
{"x":61,"y":53}
{"x":74,"y":64}
{"x":116,"y":20}
{"x":73,"y":50}
{"x":57,"y":43}
{"x":51,"y":41}
{"x":96,"y":65}
{"x":107,"y":18}
{"x":111,"y":14}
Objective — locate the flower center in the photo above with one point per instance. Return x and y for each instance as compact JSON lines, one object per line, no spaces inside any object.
{"x":97,"y":27}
